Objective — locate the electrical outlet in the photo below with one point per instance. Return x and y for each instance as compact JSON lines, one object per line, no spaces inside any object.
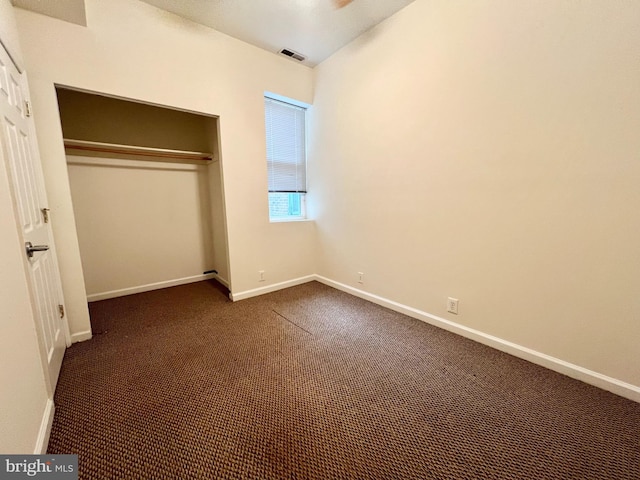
{"x":360,"y":277}
{"x":261,"y":275}
{"x":452,"y":305}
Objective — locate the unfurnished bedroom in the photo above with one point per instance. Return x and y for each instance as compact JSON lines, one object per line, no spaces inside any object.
{"x":322,"y":239}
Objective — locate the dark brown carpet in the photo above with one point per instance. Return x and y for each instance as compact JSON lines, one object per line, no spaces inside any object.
{"x":311,"y":383}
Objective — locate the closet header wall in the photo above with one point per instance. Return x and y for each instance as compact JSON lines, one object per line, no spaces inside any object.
{"x":96,"y":123}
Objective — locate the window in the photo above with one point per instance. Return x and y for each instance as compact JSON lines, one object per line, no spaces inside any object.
{"x":286,"y":159}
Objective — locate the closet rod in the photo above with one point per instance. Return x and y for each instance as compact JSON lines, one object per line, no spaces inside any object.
{"x":135,"y":150}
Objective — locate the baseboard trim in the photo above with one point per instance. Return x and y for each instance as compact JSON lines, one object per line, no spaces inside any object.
{"x":626,"y":390}
{"x":149,"y":287}
{"x":81,"y":336}
{"x":271,"y":288}
{"x":42,"y":442}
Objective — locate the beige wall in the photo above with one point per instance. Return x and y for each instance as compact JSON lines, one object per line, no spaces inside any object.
{"x":24,"y":395}
{"x":488,"y":151}
{"x":9,"y":30}
{"x":133,"y":50}
{"x":140,"y":223}
{"x":218,"y":223}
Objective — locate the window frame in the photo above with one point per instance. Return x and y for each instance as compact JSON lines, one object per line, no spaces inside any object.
{"x":302,"y":195}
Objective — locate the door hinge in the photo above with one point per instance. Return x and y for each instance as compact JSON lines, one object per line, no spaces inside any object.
{"x":27,"y":108}
{"x":45,"y":214}
{"x":61,"y":310}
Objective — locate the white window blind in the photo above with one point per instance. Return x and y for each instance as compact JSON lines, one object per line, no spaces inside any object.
{"x":286,"y":156}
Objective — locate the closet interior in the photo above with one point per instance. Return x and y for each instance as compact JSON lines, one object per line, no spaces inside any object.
{"x":147,"y":191}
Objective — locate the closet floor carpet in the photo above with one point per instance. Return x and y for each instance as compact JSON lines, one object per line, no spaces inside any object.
{"x":312,"y":383}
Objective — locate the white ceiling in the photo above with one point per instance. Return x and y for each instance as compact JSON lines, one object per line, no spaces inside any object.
{"x":314,"y":28}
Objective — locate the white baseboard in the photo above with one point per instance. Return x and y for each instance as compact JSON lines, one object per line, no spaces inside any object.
{"x":81,"y":336}
{"x":627,"y":390}
{"x":42,"y":442}
{"x":223,"y":281}
{"x":151,"y":286}
{"x":271,"y":288}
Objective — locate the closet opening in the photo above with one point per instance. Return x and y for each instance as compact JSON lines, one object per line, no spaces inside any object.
{"x":147,"y":190}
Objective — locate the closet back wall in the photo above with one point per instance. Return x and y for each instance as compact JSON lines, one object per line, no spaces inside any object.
{"x":139,"y":224}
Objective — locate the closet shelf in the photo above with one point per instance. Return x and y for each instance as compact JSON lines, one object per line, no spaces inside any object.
{"x":114,"y":148}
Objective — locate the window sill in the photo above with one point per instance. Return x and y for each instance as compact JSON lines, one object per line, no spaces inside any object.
{"x":289,"y":220}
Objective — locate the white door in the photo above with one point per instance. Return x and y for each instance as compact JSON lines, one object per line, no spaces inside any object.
{"x":21,"y":154}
